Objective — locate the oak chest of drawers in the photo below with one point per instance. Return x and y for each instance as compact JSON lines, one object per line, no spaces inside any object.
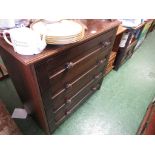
{"x":61,"y":78}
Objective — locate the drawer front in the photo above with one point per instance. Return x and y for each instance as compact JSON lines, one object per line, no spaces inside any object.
{"x":59,"y":63}
{"x":79,"y":83}
{"x":59,"y":81}
{"x":73,"y":87}
{"x":60,"y":114}
{"x":65,"y":80}
{"x":67,"y":108}
{"x":92,"y":86}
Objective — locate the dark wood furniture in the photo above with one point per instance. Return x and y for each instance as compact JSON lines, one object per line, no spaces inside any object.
{"x":125,"y":52}
{"x":144,"y":32}
{"x":147,"y":126}
{"x":7,"y":124}
{"x":115,"y":48}
{"x":151,"y":26}
{"x":61,"y":78}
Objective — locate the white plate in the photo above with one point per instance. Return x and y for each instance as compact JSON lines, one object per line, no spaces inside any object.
{"x":64,"y":28}
{"x":39,"y":27}
{"x":63,"y":32}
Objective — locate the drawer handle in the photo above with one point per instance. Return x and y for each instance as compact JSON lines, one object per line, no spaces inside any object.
{"x":69,"y":85}
{"x":94,"y":88}
{"x":101,"y":62}
{"x":69,"y":101}
{"x":67,"y":112}
{"x":105,"y":44}
{"x":69,"y":65}
{"x":97,"y":77}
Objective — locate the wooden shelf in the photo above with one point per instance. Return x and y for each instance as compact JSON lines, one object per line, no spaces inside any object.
{"x":112,"y":57}
{"x":139,"y":26}
{"x":120,"y":30}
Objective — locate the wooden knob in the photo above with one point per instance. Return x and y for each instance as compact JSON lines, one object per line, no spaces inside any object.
{"x":69,"y":65}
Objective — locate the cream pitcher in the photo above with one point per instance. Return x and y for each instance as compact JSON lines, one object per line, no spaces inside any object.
{"x":25,"y":41}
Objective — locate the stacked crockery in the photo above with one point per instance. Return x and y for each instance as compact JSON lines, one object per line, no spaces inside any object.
{"x":61,"y":32}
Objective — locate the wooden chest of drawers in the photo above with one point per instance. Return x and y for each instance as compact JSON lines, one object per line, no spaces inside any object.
{"x":61,"y":78}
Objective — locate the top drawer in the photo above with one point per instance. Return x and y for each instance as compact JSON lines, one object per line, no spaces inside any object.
{"x":55,"y":64}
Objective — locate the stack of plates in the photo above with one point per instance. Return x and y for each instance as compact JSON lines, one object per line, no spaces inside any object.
{"x":62,"y":32}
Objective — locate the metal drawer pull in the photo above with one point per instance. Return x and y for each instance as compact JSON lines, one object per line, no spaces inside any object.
{"x":97,"y":76}
{"x":94,"y":88}
{"x":68,"y":86}
{"x":67,"y":112}
{"x":101,"y":62}
{"x":69,"y":65}
{"x":105,"y":44}
{"x":68,"y":101}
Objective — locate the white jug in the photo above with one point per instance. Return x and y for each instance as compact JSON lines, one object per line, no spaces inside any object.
{"x":25,"y":41}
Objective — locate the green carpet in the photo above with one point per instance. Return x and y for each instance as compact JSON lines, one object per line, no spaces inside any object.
{"x":117,"y":108}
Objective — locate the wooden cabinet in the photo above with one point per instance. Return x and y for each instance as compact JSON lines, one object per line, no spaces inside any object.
{"x":144,"y":32}
{"x":147,"y":125}
{"x":115,"y":49}
{"x":126,"y":50}
{"x":61,"y":78}
{"x":152,"y":27}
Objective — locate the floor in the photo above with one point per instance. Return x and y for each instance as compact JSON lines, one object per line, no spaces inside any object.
{"x":117,"y":108}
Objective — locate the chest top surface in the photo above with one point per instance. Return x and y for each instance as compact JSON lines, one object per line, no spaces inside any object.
{"x":99,"y":26}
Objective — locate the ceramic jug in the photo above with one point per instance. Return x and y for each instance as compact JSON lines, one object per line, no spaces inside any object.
{"x":25,"y":41}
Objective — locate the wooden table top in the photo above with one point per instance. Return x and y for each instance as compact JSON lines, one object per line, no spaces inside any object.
{"x":100,"y":26}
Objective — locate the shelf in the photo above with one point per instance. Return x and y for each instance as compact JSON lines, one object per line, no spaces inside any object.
{"x":120,"y":30}
{"x":132,"y":44}
{"x":139,"y":26}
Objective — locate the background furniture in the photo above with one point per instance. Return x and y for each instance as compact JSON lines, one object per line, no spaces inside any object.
{"x":7,"y":124}
{"x":152,"y":27}
{"x":147,"y":126}
{"x":144,"y":32}
{"x":61,"y":78}
{"x":115,"y":48}
{"x":125,"y":52}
